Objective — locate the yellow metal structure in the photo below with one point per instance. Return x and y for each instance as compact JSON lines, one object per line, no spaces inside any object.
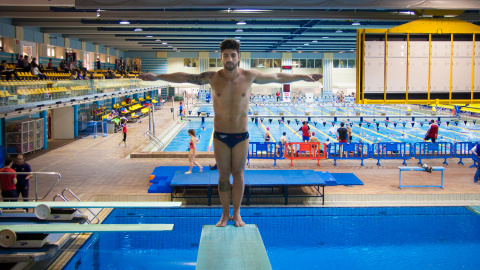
{"x":425,"y":26}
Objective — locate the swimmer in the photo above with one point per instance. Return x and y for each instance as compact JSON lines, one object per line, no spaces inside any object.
{"x":192,"y":151}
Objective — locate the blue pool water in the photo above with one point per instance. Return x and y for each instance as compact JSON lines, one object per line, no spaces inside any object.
{"x":299,"y":238}
{"x":368,"y":132}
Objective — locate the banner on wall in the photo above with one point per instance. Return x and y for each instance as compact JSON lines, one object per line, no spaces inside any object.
{"x":286,"y":93}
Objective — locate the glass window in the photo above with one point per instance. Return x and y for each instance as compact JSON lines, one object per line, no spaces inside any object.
{"x":351,"y":63}
{"x":318,"y":63}
{"x":219,"y":62}
{"x":212,"y":62}
{"x":268,"y":63}
{"x":303,"y":63}
{"x":187,"y":62}
{"x":336,"y":63}
{"x":277,"y":63}
{"x":296,"y":63}
{"x":310,"y":63}
{"x":343,"y":63}
{"x":261,"y":63}
{"x":194,"y":62}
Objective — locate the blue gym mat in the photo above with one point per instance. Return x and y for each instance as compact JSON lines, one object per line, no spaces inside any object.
{"x":346,"y":179}
{"x":328,"y":178}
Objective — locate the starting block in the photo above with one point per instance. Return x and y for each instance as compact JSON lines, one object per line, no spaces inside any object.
{"x":35,"y":235}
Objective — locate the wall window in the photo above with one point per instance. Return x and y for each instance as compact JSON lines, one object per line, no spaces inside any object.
{"x":190,"y":62}
{"x":215,"y":62}
{"x":343,"y":63}
{"x":265,"y":63}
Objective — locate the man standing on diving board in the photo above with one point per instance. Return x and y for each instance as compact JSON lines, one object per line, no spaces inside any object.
{"x":231,"y":93}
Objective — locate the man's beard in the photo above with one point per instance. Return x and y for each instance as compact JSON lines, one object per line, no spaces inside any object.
{"x":234,"y":66}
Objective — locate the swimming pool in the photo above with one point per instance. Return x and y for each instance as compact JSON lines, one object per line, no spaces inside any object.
{"x":371,"y":130}
{"x":299,"y":238}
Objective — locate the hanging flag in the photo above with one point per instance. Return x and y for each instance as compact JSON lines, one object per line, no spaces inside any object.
{"x":395,"y":125}
{"x":448,"y":123}
{"x":474,"y":121}
{"x":413,"y":124}
{"x":315,"y":123}
{"x":288,"y":122}
{"x":360,"y":124}
{"x":378,"y":124}
{"x":324,"y":123}
{"x":279,"y":121}
{"x":351,"y":124}
{"x":270,"y":120}
{"x":386,"y":125}
{"x":421,"y":124}
{"x":465,"y":122}
{"x":253,"y":119}
{"x":403,"y":124}
{"x":368,"y":124}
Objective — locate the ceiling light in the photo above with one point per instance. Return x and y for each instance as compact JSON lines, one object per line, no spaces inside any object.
{"x":124,"y":22}
{"x":169,"y":46}
{"x":352,"y":50}
{"x":148,"y":36}
{"x":314,"y":41}
{"x":325,"y":37}
{"x":356,"y":23}
{"x":238,"y":37}
{"x":238,"y":40}
{"x":339,"y":31}
{"x":306,"y":44}
{"x":241,"y":22}
{"x":137,"y":29}
{"x":164,"y":43}
{"x":158,"y":40}
{"x":239,"y":30}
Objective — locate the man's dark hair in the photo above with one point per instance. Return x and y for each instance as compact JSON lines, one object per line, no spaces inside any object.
{"x":342,"y":124}
{"x":433,"y":121}
{"x":284,"y":133}
{"x":230,"y":44}
{"x":8,"y":161}
{"x":4,"y":61}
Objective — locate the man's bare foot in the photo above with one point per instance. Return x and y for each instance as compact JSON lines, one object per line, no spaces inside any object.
{"x":189,"y":172}
{"x":223,"y":221}
{"x":237,"y":219}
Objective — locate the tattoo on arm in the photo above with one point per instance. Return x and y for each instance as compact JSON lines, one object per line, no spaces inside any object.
{"x":224,"y":186}
{"x":202,"y":78}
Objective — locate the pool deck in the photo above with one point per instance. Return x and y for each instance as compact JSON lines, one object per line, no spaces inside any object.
{"x":100,"y":169}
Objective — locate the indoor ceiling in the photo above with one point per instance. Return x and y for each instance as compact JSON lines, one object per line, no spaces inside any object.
{"x":200,"y":25}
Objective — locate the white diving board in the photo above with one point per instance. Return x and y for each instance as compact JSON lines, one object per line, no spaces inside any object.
{"x":91,"y":204}
{"x":232,"y":247}
{"x":8,"y":233}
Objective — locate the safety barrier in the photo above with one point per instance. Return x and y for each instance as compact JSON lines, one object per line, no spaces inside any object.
{"x":349,"y":151}
{"x":391,"y":151}
{"x":298,"y":150}
{"x":426,"y":150}
{"x":462,"y":150}
{"x":262,"y":150}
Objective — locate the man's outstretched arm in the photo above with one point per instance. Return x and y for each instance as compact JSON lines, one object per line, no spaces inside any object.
{"x":180,"y":77}
{"x":262,"y":78}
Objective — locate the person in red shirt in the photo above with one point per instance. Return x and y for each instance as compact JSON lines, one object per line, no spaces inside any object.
{"x":124,"y":131}
{"x":278,"y":96}
{"x":432,"y":132}
{"x":8,"y":181}
{"x":305,"y":129}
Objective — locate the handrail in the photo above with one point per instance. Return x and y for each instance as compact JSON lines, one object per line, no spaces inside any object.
{"x":36,"y":181}
{"x":63,"y":197}
{"x":158,"y":143}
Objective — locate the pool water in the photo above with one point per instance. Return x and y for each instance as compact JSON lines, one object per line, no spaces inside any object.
{"x":299,"y":238}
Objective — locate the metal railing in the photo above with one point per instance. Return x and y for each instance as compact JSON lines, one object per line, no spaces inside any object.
{"x":35,"y":174}
{"x":64,"y":197}
{"x":154,"y":140}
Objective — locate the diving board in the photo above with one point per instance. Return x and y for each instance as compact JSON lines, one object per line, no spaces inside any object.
{"x":8,"y":233}
{"x":232,"y":247}
{"x":91,"y":204}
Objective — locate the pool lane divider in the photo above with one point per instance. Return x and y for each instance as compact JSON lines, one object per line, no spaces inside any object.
{"x":211,"y":142}
{"x":232,"y":247}
{"x":293,"y":131}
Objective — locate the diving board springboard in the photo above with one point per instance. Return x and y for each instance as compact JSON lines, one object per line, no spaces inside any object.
{"x":91,"y":204}
{"x":232,"y":247}
{"x":8,"y":233}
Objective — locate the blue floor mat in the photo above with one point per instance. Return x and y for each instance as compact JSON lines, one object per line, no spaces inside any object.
{"x":346,"y":179}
